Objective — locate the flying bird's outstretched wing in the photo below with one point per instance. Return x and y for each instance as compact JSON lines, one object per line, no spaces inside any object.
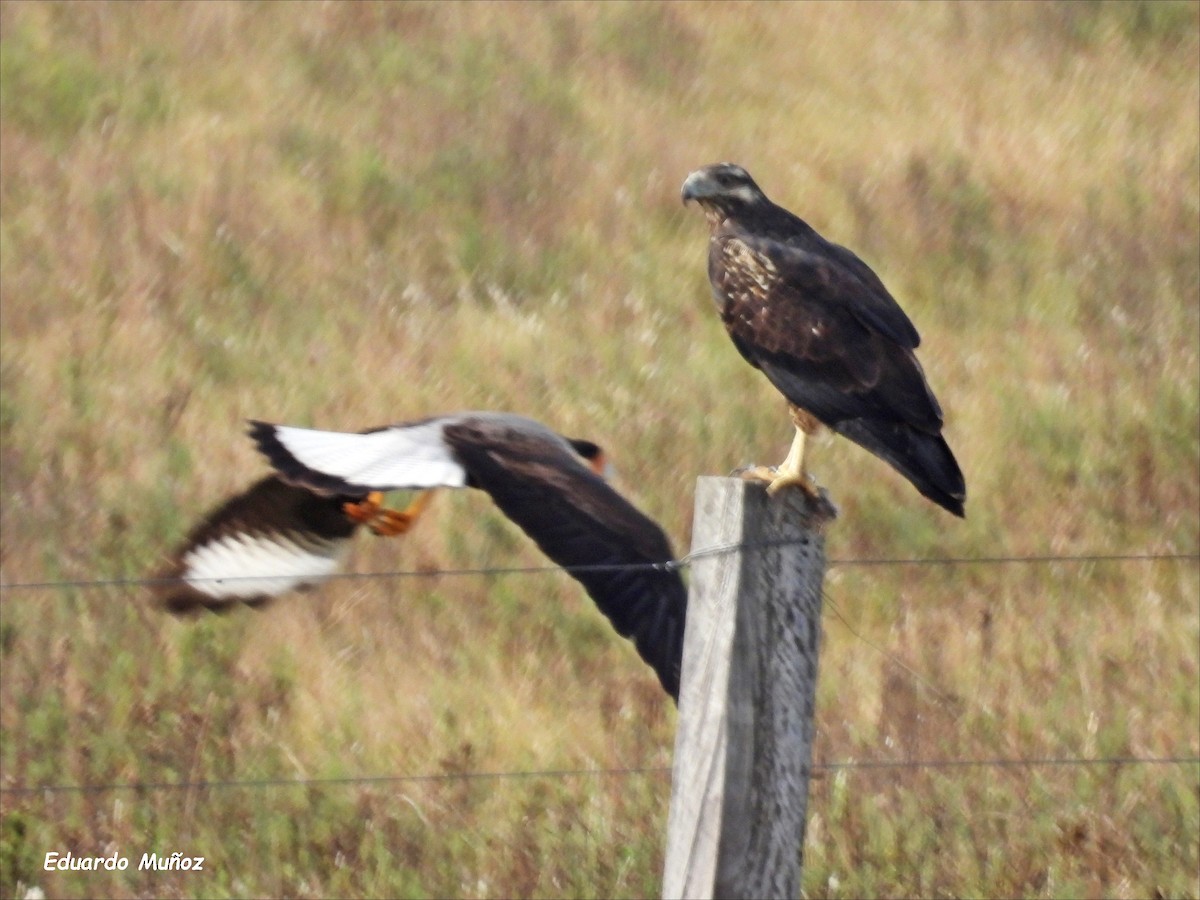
{"x":270,"y":539}
{"x":537,"y":478}
{"x":825,"y":331}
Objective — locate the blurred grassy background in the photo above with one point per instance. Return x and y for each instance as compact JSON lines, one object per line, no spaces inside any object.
{"x":349,"y":214}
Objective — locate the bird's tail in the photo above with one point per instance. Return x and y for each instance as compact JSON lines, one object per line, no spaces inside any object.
{"x":924,"y":459}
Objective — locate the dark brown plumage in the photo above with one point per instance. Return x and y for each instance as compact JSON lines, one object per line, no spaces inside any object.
{"x":821,"y":326}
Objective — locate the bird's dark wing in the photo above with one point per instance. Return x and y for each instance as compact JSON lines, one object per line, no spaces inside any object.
{"x":270,"y":539}
{"x":809,"y":258}
{"x":579,"y":520}
{"x":798,"y":316}
{"x":876,"y":307}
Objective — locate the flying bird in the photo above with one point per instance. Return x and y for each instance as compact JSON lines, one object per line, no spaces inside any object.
{"x":329,"y":483}
{"x":821,"y":326}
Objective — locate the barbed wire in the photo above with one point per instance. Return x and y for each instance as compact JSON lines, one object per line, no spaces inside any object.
{"x":1033,"y":559}
{"x":850,"y":765}
{"x":667,"y":566}
{"x":441,"y":777}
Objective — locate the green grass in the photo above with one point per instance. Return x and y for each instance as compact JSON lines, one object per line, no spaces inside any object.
{"x":344,"y":215}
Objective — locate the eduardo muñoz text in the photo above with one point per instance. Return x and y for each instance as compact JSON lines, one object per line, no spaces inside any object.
{"x":117,"y":863}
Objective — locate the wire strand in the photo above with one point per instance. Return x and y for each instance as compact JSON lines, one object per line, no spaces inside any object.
{"x":670,"y":565}
{"x":441,"y":777}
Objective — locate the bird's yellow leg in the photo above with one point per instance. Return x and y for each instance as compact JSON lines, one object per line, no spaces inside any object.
{"x":791,"y":472}
{"x":383,"y":521}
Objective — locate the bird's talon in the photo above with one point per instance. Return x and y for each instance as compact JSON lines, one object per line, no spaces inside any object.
{"x":754,"y":473}
{"x":778,"y":478}
{"x":390,"y":522}
{"x":803,"y":481}
{"x":382,"y":521}
{"x":366,"y":510}
{"x":385,"y":522}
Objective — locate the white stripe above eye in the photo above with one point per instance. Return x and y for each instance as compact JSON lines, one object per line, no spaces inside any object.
{"x":244,"y":566}
{"x":409,"y":456}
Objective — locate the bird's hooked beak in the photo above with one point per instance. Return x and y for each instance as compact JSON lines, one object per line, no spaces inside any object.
{"x":697,"y":186}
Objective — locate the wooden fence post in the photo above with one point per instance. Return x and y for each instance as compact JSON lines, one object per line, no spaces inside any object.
{"x":743,"y":747}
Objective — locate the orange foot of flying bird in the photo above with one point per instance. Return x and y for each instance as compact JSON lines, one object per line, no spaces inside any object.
{"x":381,"y":520}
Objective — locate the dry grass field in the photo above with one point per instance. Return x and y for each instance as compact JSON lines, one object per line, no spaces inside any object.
{"x":348,"y":214}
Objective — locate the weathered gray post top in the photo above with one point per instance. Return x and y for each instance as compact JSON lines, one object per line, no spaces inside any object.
{"x":743,"y":748}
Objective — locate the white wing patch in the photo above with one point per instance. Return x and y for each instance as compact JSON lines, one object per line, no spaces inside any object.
{"x":245,"y":566}
{"x":410,"y":456}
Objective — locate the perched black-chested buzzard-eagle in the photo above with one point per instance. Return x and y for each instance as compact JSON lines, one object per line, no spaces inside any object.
{"x":822,"y":327}
{"x":290,"y":530}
